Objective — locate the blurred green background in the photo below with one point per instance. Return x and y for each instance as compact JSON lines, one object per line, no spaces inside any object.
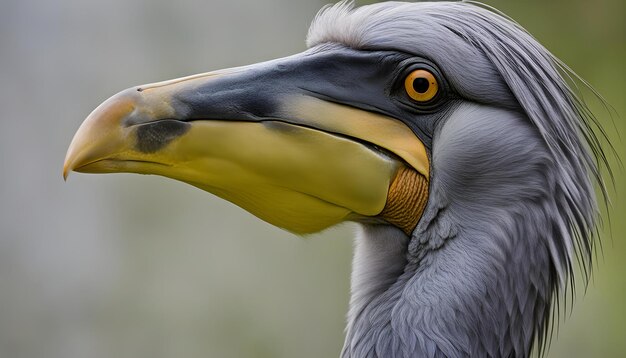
{"x":140,"y":266}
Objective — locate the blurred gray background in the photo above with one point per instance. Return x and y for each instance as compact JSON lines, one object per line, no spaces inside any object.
{"x":140,"y":266}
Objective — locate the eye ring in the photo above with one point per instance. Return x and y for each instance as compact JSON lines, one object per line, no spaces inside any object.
{"x":421,"y":85}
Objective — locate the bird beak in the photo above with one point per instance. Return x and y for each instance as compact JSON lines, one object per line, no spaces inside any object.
{"x":253,"y":137}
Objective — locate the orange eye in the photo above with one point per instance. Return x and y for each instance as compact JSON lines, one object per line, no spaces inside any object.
{"x":421,"y":85}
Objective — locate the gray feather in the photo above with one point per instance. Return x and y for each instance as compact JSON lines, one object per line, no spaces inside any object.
{"x":511,"y":198}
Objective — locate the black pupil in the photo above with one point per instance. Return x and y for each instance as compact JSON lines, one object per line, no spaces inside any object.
{"x":420,"y":85}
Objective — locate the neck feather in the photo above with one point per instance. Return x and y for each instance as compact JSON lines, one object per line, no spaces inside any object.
{"x":453,"y":299}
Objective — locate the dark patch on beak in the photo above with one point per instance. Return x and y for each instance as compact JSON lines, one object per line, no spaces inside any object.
{"x":153,"y":136}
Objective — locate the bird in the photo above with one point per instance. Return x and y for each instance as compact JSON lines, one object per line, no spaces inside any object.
{"x":457,"y":142}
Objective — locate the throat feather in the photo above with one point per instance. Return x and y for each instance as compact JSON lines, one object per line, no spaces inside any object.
{"x":406,"y":200}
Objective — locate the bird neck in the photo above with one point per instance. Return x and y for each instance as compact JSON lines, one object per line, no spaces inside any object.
{"x":479,"y":272}
{"x":480,"y":289}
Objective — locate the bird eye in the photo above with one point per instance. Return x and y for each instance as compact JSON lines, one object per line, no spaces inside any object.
{"x":421,"y":85}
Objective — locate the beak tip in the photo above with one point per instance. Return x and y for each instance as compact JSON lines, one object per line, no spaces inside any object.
{"x":68,"y":166}
{"x":66,"y":172}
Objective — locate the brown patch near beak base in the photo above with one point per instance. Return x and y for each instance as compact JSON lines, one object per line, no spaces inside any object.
{"x":406,"y":199}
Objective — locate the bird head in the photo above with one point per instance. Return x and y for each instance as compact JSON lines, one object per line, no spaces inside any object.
{"x":345,"y":130}
{"x":441,"y":119}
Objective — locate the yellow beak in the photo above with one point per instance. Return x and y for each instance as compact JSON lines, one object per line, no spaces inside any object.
{"x":308,"y":166}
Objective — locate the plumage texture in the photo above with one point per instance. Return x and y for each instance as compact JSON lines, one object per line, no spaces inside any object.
{"x":511,"y":195}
